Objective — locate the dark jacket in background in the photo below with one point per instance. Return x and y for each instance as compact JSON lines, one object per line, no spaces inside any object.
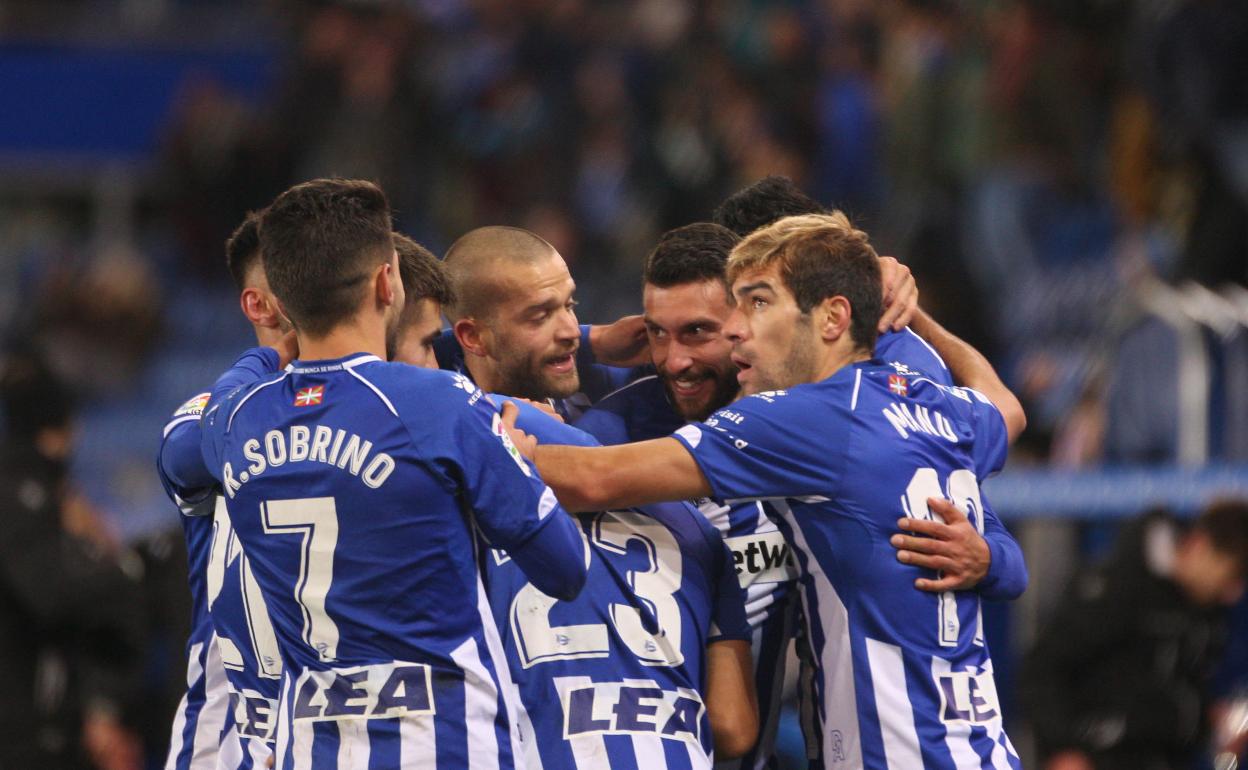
{"x":59,"y":600}
{"x":1120,"y":669}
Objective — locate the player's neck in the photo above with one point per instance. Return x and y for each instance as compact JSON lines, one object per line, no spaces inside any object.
{"x":356,"y":336}
{"x":268,"y":336}
{"x":838,"y":357}
{"x":482,"y":373}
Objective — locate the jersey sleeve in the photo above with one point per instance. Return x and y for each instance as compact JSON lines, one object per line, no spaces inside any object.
{"x":512,"y":507}
{"x":991,"y":439}
{"x":1007,"y":571}
{"x":764,"y":446}
{"x":728,"y":619}
{"x":250,"y":366}
{"x":543,"y":427}
{"x":605,"y":424}
{"x":179,"y":463}
{"x":907,"y":348}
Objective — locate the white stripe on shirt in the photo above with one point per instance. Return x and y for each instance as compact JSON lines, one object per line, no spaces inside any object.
{"x":480,"y":705}
{"x":893,"y":709}
{"x":839,"y":709}
{"x":418,"y":743}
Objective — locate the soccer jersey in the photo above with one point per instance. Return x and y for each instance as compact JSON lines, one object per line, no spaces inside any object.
{"x":614,"y":678}
{"x":641,"y":410}
{"x":202,"y":719}
{"x":357,"y":489}
{"x":914,"y":352}
{"x":248,"y":648}
{"x":903,"y":677}
{"x":597,"y":379}
{"x":241,"y":652}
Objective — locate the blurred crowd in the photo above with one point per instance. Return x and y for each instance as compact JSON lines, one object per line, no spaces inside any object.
{"x":1068,"y":179}
{"x":1038,"y":163}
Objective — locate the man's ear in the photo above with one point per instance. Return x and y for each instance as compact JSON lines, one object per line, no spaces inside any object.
{"x":473,"y":336}
{"x":383,"y":285}
{"x":833,"y":317}
{"x":260,"y":308}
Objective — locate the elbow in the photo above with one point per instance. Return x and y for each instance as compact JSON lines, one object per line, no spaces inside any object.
{"x":564,"y":586}
{"x":571,"y":586}
{"x":733,"y":739}
{"x":1016,"y":420}
{"x":591,"y":492}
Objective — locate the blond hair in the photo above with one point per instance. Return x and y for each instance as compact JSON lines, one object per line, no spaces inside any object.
{"x":818,"y":256}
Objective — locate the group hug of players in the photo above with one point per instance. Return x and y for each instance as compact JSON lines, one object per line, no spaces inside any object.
{"x":528,"y":543}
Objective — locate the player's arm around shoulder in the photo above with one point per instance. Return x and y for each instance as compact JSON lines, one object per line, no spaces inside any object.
{"x":971,"y":369}
{"x":513,"y":508}
{"x":179,"y":462}
{"x":230,"y":387}
{"x":622,"y":476}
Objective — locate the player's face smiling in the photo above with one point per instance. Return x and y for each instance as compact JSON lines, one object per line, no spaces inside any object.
{"x":535,"y":332}
{"x":688,"y":348}
{"x":774,"y":343}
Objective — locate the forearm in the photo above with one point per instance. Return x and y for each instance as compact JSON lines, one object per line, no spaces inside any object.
{"x":731,"y":704}
{"x":556,"y":558}
{"x":971,"y":369}
{"x":1007,"y":572}
{"x":598,"y":478}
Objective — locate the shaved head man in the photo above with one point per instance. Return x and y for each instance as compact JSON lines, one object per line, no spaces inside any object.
{"x":514,"y":314}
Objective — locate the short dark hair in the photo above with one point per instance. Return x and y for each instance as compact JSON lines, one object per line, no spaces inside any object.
{"x":767,"y":200}
{"x":1226,"y":524}
{"x":696,"y":252}
{"x":242,"y":248}
{"x":472,"y":265}
{"x":319,"y":241}
{"x":820,"y":256}
{"x":422,"y":274}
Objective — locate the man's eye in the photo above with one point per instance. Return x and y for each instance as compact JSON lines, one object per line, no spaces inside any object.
{"x":758,"y":302}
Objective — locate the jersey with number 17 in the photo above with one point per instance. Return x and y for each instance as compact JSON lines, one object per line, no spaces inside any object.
{"x":903,"y":677}
{"x":358,"y":489}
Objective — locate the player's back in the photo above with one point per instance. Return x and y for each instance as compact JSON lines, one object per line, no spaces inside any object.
{"x":344,"y":482}
{"x":614,"y":678}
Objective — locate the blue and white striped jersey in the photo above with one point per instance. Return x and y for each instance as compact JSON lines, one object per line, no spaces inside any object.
{"x":202,"y":719}
{"x":243,"y":646}
{"x":357,"y":489}
{"x":640,"y":411}
{"x":615,"y":677}
{"x":903,"y":678}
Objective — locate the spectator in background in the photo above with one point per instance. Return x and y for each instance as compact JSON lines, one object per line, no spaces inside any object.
{"x":1118,"y":677}
{"x":65,"y":607}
